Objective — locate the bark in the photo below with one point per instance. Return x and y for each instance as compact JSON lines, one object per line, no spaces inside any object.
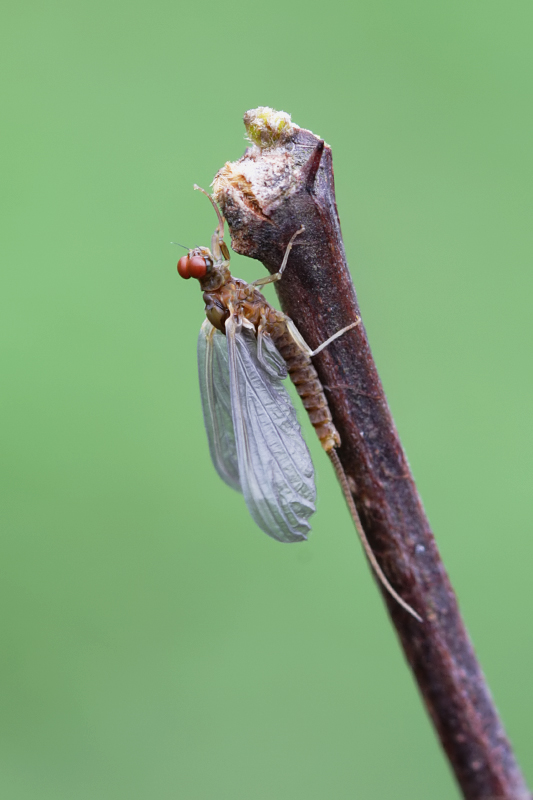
{"x":283,"y":181}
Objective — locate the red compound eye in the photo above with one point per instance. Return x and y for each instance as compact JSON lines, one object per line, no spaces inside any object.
{"x":183,"y":267}
{"x":197,"y":267}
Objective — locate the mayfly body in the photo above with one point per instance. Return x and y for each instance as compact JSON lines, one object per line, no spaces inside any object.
{"x":245,"y":349}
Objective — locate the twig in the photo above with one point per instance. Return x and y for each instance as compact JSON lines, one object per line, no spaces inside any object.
{"x":283,"y":181}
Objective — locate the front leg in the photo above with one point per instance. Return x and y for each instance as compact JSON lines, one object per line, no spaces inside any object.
{"x":277,"y":275}
{"x":219,"y":247}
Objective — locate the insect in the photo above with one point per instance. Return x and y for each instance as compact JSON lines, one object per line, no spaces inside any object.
{"x":246,"y":348}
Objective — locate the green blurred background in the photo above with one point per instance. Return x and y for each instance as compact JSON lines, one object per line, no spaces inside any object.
{"x":154,"y":644}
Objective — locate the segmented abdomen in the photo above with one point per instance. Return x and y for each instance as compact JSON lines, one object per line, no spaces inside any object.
{"x":308,"y":386}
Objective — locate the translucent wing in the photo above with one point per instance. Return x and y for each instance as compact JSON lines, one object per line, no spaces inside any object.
{"x":270,"y":358}
{"x":275,"y":468}
{"x":213,"y":369}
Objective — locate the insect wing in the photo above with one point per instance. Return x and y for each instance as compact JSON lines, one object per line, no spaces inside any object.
{"x":213,"y":370}
{"x":275,"y":467}
{"x":270,"y":358}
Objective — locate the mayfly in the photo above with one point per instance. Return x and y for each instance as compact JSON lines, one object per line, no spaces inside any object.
{"x":245,"y":349}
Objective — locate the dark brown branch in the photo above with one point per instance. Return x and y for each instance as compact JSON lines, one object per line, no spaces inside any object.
{"x":283,"y":181}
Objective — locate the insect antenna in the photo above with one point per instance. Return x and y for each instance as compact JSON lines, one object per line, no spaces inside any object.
{"x":181,"y":245}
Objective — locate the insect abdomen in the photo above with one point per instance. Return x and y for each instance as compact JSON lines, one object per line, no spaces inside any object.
{"x":308,"y":386}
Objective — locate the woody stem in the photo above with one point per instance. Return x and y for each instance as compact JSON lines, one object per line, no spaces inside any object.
{"x":289,"y":185}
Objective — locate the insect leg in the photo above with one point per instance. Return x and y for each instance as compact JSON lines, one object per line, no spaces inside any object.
{"x":219,"y":247}
{"x":277,"y":275}
{"x":302,"y":344}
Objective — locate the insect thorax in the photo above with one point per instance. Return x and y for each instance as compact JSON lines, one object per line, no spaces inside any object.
{"x":244,"y":300}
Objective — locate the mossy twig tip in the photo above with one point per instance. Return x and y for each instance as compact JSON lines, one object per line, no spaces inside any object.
{"x":266,"y":127}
